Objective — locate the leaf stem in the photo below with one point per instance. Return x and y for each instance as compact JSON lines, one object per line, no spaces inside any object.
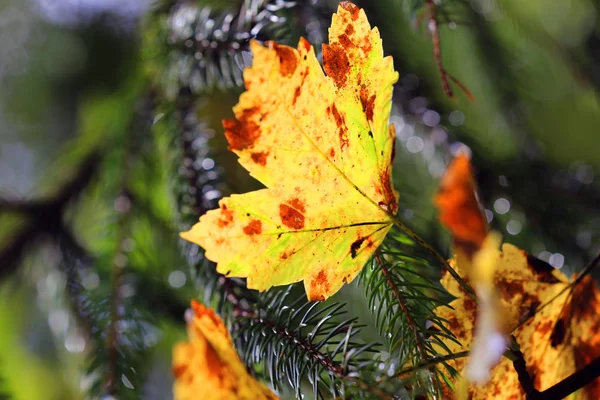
{"x":445,"y":265}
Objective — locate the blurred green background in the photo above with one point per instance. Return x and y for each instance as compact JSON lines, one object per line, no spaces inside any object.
{"x":126,"y":98}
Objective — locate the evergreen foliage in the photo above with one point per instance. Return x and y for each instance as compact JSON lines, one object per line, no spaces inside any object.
{"x":145,"y":160}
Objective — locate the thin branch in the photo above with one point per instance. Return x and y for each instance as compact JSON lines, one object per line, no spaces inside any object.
{"x":524,"y":378}
{"x":562,"y":389}
{"x":574,"y":382}
{"x":437,"y":54}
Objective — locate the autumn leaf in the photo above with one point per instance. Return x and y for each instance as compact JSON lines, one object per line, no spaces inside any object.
{"x":322,"y":147}
{"x":556,"y":340}
{"x":459,"y":209}
{"x":208,"y":367}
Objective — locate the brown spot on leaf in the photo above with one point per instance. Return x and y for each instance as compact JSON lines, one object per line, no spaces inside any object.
{"x":510,"y":289}
{"x":260,"y":157}
{"x":226,"y":217}
{"x":288,"y":60}
{"x":319,"y":284}
{"x":297,"y":94}
{"x":341,"y":124}
{"x":346,"y":42}
{"x":291,"y":217}
{"x":349,"y":29}
{"x":456,"y":327}
{"x":242,"y":132}
{"x":544,"y":328}
{"x":367,"y":102}
{"x":355,"y":246}
{"x":336,"y":64}
{"x":332,"y":152}
{"x":367,"y":45}
{"x":528,"y":308}
{"x":352,"y":8}
{"x":253,"y":228}
{"x":179,"y":370}
{"x":286,"y":254}
{"x":558,"y":333}
{"x":469,"y":304}
{"x":388,"y":192}
{"x":343,"y":137}
{"x":297,"y":204}
{"x":339,"y":119}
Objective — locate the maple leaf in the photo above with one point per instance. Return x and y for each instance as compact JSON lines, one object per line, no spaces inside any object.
{"x":208,"y":367}
{"x":322,"y":147}
{"x":559,"y":339}
{"x":558,"y":329}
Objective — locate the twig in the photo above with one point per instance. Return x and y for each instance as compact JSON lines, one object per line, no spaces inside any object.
{"x":524,"y":378}
{"x":574,"y":382}
{"x":437,"y":54}
{"x":560,"y":390}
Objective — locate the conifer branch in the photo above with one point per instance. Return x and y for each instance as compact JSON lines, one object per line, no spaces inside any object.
{"x":403,"y":306}
{"x":206,"y":46}
{"x":431,"y":250}
{"x":402,"y":287}
{"x":297,"y":340}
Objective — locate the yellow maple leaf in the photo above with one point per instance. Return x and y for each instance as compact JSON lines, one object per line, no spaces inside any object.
{"x":321,"y":146}
{"x":558,"y":340}
{"x":208,"y":367}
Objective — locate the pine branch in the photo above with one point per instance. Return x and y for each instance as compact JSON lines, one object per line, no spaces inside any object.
{"x":296,"y":340}
{"x":207,"y":47}
{"x":403,"y":289}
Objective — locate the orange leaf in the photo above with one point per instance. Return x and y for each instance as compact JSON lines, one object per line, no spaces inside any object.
{"x":459,"y":208}
{"x":208,"y":367}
